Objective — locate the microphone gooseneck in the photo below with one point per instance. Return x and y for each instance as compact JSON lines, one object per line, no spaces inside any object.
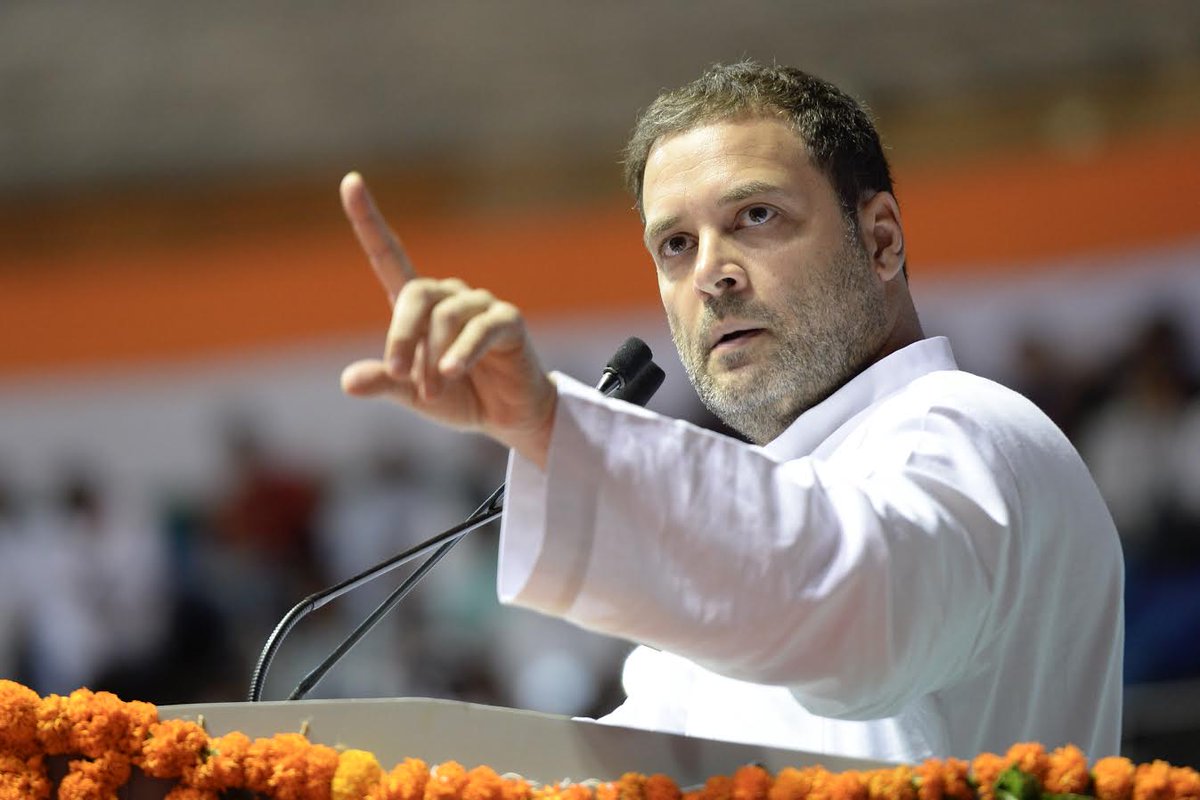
{"x":630,"y":375}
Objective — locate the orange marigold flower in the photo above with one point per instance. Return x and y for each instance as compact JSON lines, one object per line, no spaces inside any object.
{"x":573,"y":791}
{"x":662,"y":787}
{"x":1112,"y":778}
{"x":631,"y":786}
{"x":172,"y":748}
{"x":718,"y":787}
{"x":221,"y":764}
{"x":891,"y":784}
{"x":53,"y":726}
{"x":483,"y":784}
{"x":1067,"y":771}
{"x":792,"y":784}
{"x":23,"y":778}
{"x":357,"y":772}
{"x":288,"y":767}
{"x":406,"y":781}
{"x":100,"y":723}
{"x":1152,"y":781}
{"x":842,"y":786}
{"x":182,"y":792}
{"x":95,"y":779}
{"x":1030,"y":758}
{"x":18,"y":719}
{"x":930,"y":783}
{"x":955,"y":779}
{"x":515,"y":789}
{"x":446,"y":781}
{"x":985,"y":770}
{"x":751,"y":782}
{"x":321,"y":763}
{"x":1185,"y":782}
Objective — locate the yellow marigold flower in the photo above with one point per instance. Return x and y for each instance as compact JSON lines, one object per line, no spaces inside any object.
{"x":357,"y":772}
{"x":1152,"y":781}
{"x":1067,"y":771}
{"x":23,"y":778}
{"x":891,"y":784}
{"x":483,"y":784}
{"x":221,"y":764}
{"x":606,"y":791}
{"x":792,"y":783}
{"x":95,"y":779}
{"x":1030,"y":758}
{"x":1112,"y":778}
{"x":182,"y":792}
{"x":406,"y":781}
{"x":446,"y":781}
{"x":18,"y":719}
{"x":985,"y":769}
{"x":172,"y":748}
{"x":662,"y":787}
{"x":750,"y":782}
{"x":718,"y":787}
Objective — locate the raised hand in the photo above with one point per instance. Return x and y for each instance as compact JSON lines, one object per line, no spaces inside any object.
{"x":453,"y":353}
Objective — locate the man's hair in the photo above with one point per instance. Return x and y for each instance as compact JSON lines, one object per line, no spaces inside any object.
{"x":837,"y":131}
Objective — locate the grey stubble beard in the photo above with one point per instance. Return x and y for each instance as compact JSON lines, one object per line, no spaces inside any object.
{"x":837,"y":326}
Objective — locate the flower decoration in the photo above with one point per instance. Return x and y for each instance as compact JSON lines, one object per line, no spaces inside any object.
{"x":104,"y":740}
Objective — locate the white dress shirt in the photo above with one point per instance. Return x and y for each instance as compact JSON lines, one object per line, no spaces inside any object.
{"x":919,"y":566}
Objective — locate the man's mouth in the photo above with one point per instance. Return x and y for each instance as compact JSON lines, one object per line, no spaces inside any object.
{"x":736,"y":338}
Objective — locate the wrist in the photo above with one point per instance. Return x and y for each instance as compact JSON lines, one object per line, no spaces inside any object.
{"x":532,"y":441}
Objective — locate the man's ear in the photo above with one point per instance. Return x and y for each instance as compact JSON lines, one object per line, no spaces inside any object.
{"x":883,"y":234}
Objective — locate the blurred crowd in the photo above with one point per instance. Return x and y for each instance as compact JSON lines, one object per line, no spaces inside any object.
{"x":170,"y":600}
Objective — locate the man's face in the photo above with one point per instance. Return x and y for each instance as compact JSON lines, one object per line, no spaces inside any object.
{"x":772,"y":300}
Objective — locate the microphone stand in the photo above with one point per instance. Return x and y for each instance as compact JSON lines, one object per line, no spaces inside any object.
{"x":444,"y":542}
{"x":648,"y":377}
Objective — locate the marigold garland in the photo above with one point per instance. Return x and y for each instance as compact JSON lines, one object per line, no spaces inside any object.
{"x":106,"y":738}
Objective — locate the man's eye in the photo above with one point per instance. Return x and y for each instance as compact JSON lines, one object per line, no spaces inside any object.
{"x":757,"y":215}
{"x":674,"y":245}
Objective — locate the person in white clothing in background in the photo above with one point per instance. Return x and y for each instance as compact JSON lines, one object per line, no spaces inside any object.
{"x":910,"y":561}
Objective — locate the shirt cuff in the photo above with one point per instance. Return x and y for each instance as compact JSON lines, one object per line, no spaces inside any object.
{"x":537,"y":570}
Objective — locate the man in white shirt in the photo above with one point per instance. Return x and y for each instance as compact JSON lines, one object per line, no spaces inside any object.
{"x":912,"y":562}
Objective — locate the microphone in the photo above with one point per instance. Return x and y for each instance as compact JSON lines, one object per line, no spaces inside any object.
{"x":630,"y":375}
{"x":628,"y":362}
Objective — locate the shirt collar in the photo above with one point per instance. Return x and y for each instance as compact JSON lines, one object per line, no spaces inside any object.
{"x":877,"y":381}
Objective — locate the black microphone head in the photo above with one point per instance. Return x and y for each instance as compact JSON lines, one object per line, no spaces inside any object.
{"x":629,"y":359}
{"x":643,"y":386}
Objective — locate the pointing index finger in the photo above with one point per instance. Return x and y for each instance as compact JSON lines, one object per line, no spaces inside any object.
{"x":391,"y":264}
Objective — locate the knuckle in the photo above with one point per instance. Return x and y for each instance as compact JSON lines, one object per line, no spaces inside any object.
{"x":480,"y":297}
{"x":506,"y":312}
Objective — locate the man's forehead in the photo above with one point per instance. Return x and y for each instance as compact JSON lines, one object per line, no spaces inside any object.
{"x":734,"y":159}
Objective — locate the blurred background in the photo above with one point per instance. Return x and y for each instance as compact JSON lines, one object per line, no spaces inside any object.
{"x":178,"y":294}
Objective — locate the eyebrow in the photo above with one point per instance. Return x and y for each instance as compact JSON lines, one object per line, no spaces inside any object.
{"x":735,"y":195}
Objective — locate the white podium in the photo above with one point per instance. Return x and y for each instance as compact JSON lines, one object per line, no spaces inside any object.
{"x":541,"y":747}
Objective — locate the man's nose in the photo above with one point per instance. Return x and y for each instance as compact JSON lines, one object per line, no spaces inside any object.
{"x":719,"y":268}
